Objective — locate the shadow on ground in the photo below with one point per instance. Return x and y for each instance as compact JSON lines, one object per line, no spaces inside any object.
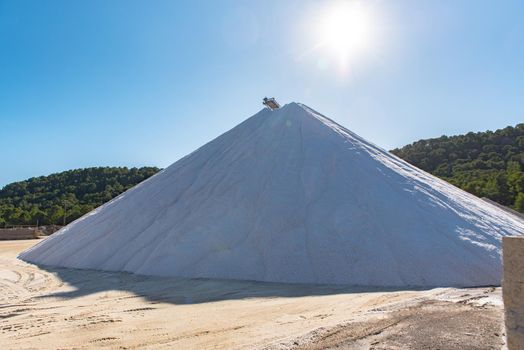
{"x":190,"y":291}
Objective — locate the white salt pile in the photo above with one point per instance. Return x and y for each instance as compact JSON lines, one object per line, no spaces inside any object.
{"x":291,"y":196}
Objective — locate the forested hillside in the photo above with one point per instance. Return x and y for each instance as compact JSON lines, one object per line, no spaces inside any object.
{"x":487,"y":164}
{"x":47,"y":199}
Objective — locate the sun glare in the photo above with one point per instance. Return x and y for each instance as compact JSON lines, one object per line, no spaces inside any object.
{"x":345,"y":30}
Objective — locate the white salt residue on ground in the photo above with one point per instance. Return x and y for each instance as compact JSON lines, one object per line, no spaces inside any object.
{"x":291,"y":196}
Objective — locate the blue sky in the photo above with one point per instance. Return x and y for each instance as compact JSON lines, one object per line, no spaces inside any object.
{"x":133,"y":83}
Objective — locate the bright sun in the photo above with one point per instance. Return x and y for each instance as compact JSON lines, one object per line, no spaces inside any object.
{"x":345,"y":30}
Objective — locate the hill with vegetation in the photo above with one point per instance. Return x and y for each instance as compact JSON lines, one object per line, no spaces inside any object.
{"x":70,"y":194}
{"x":486,"y":164}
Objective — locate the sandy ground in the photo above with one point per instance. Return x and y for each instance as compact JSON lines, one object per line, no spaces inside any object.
{"x":66,"y":309}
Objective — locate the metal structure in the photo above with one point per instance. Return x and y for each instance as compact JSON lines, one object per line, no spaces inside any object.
{"x":270,"y":103}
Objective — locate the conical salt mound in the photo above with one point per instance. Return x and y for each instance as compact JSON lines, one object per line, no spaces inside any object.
{"x":291,"y":196}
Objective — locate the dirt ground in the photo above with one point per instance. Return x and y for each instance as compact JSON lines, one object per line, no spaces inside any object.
{"x":78,"y":309}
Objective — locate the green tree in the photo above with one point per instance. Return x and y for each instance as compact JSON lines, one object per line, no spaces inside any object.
{"x":519,"y":202}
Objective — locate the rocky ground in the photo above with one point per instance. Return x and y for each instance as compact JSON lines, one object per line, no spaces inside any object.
{"x":66,"y":309}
